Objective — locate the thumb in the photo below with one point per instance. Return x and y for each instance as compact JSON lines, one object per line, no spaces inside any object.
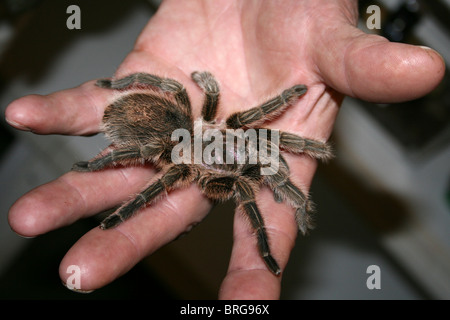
{"x":371,"y":68}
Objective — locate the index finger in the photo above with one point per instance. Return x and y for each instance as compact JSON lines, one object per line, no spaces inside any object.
{"x":76,"y":111}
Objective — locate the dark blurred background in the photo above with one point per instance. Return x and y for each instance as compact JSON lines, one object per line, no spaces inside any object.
{"x":383,"y":201}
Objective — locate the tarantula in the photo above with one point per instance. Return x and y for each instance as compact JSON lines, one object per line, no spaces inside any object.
{"x":141,"y":126}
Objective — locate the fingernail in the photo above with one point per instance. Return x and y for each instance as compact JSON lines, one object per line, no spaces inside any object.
{"x":22,"y":236}
{"x":431,"y":49}
{"x":17,"y":125}
{"x":72,"y":288}
{"x":25,"y":237}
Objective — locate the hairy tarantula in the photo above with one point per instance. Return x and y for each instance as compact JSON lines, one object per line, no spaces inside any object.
{"x":141,"y":126}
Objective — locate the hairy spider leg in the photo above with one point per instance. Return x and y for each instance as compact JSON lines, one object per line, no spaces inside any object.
{"x":293,"y":143}
{"x":210,"y":87}
{"x":119,"y":155}
{"x":165,"y":84}
{"x":246,"y":201}
{"x":173,"y":176}
{"x":285,"y":190}
{"x":217,"y":187}
{"x":299,"y":201}
{"x":267,"y":110}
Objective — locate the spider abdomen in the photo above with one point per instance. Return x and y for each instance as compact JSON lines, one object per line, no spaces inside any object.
{"x":140,"y":118}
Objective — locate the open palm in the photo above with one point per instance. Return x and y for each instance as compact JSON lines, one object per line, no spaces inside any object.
{"x":255,"y":49}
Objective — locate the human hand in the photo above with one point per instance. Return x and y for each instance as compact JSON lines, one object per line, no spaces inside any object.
{"x":254,"y":49}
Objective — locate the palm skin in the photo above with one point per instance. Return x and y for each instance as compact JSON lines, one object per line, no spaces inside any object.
{"x":255,"y":49}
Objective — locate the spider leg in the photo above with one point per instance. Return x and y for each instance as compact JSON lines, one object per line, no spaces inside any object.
{"x":210,"y":87}
{"x":277,"y":177}
{"x":297,"y":145}
{"x":119,"y":155}
{"x":304,"y":207}
{"x":217,"y":187}
{"x":267,"y":110}
{"x":175,"y":175}
{"x":146,"y":79}
{"x":246,"y":200}
{"x":285,"y":190}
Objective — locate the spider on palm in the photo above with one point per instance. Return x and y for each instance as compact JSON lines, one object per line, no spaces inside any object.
{"x":141,"y":124}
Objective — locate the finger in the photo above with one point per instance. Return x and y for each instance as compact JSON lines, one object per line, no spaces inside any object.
{"x":73,"y":196}
{"x":104,"y":255}
{"x":76,"y":111}
{"x":248,"y":284}
{"x":248,"y":277}
{"x":371,"y":68}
